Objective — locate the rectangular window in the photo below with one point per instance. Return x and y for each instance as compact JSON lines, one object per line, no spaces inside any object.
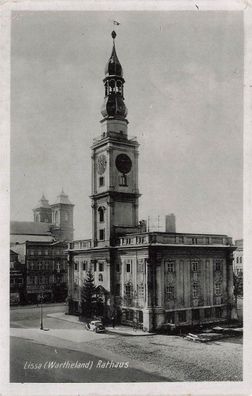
{"x":195,"y":290}
{"x":170,"y":317}
{"x":140,"y":316}
{"x":140,"y":289}
{"x":128,"y":267}
{"x":218,"y":312}
{"x":100,"y":267}
{"x":170,"y":292}
{"x":237,"y":260}
{"x":208,"y":313}
{"x":129,"y":315}
{"x":84,"y":265}
{"x":101,"y":235}
{"x":218,"y":289}
{"x":140,"y":265}
{"x":182,"y":316}
{"x":128,"y":290}
{"x":123,"y":180}
{"x":94,"y":266}
{"x":218,"y":265}
{"x":171,"y":266}
{"x":101,"y":181}
{"x":76,"y":266}
{"x":195,"y":314}
{"x":195,"y":266}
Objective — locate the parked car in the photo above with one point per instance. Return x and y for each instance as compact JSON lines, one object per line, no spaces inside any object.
{"x":96,"y":325}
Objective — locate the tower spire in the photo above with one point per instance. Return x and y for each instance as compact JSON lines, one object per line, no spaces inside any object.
{"x":114,"y":106}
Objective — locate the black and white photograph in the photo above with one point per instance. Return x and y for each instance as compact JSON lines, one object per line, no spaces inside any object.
{"x":126,"y":195}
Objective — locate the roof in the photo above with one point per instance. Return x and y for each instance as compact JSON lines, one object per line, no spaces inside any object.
{"x":113,"y":66}
{"x":62,"y":198}
{"x":29,"y":228}
{"x":31,"y":238}
{"x":43,"y":203}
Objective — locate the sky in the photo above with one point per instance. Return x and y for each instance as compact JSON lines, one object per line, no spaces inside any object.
{"x":184,"y":94}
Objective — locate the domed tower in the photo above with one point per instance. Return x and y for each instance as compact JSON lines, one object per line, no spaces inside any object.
{"x":114,"y":110}
{"x":62,"y":218}
{"x":114,"y":163}
{"x":42,"y":212}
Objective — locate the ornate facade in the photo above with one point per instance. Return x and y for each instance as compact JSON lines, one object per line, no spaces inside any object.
{"x":156,"y":278}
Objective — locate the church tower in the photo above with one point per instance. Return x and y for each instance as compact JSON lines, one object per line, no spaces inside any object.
{"x":62,"y":218}
{"x":114,"y":163}
{"x":42,"y":213}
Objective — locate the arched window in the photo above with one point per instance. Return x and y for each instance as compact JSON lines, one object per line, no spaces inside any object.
{"x":56,"y":217}
{"x":101,"y":214}
{"x":100,"y":278}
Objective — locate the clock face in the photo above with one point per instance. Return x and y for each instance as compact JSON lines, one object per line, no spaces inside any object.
{"x":101,"y":164}
{"x":123,"y":163}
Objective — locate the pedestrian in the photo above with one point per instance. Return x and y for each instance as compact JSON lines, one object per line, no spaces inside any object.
{"x":113,"y":321}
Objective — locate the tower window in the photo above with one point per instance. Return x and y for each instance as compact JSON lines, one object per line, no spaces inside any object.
{"x":101,"y":267}
{"x":101,"y":214}
{"x":101,"y":235}
{"x":100,"y":278}
{"x":128,"y":267}
{"x":101,"y":181}
{"x":123,"y":180}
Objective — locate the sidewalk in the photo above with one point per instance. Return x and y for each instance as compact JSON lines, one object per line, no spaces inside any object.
{"x":123,"y":330}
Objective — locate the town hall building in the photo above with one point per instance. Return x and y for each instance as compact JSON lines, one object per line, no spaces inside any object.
{"x":157,"y":278}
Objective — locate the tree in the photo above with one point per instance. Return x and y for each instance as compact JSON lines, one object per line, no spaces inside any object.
{"x":88,"y":296}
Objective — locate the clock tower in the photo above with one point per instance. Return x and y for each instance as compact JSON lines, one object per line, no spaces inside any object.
{"x":114,"y":164}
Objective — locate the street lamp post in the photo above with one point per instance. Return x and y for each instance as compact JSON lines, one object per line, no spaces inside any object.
{"x":41,"y":309}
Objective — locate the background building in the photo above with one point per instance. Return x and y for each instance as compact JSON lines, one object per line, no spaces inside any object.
{"x":40,"y":248}
{"x":17,"y":280}
{"x":238,"y":257}
{"x":156,"y":278}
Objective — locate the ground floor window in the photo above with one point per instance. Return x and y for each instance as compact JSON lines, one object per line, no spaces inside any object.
{"x":140,"y":316}
{"x":195,"y":314}
{"x":218,"y":312}
{"x":170,"y":317}
{"x":129,"y":315}
{"x":182,"y":316}
{"x":208,"y":313}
